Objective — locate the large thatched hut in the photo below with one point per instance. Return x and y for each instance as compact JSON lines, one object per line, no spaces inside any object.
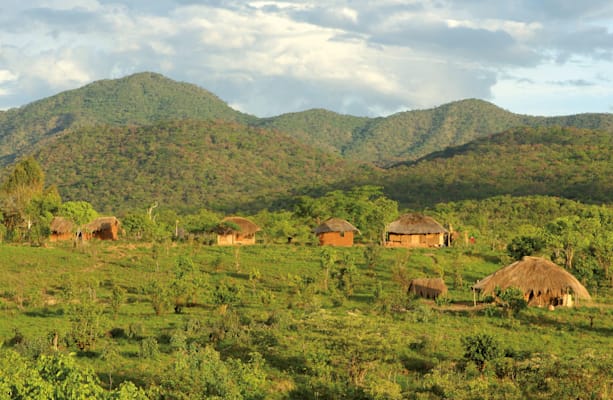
{"x":104,"y":228}
{"x":335,"y":232}
{"x":430,"y":288}
{"x":543,"y":282}
{"x":61,"y":229}
{"x":415,"y":230}
{"x":236,"y":230}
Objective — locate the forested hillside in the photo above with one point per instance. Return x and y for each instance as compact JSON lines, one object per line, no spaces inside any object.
{"x":187,"y":165}
{"x":566,"y":162}
{"x":147,"y":98}
{"x":138,"y":99}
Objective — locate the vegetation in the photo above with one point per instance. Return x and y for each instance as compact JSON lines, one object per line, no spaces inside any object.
{"x":164,"y":314}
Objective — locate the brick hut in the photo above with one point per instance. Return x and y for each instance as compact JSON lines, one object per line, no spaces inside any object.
{"x":104,"y":228}
{"x":415,"y":230}
{"x":335,"y":232}
{"x":61,"y":229}
{"x":236,"y":230}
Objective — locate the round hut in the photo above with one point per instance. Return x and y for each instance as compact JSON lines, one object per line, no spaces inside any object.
{"x":415,"y":230}
{"x":236,"y":230}
{"x":430,"y":288}
{"x":335,"y":232}
{"x":542,"y":282}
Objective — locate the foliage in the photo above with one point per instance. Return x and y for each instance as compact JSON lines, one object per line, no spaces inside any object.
{"x":80,"y":212}
{"x":480,"y":349}
{"x":521,"y":246}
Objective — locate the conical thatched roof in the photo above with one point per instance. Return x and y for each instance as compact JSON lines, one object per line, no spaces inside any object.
{"x":246,"y":227}
{"x":415,"y":224}
{"x":101,"y":223}
{"x":534,"y":274}
{"x":335,"y":225}
{"x":60,"y":225}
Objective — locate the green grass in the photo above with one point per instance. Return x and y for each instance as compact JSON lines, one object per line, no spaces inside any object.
{"x":310,"y":340}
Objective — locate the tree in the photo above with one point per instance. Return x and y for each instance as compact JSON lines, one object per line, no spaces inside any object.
{"x":522,"y":246}
{"x":24,"y":184}
{"x":79,"y":212}
{"x":480,"y":349}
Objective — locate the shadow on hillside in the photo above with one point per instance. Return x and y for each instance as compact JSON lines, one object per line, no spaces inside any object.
{"x":567,"y":325}
{"x":45,"y":313}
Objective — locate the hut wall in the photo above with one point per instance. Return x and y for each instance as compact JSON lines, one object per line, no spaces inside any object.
{"x":335,"y":239}
{"x":425,"y":240}
{"x":107,"y":233}
{"x":235,"y":238}
{"x":55,"y":237}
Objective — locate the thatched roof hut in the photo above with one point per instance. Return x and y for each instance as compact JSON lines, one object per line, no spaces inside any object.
{"x":415,"y":230}
{"x":105,"y":228}
{"x":335,"y":232}
{"x":61,"y":229}
{"x":430,"y":288}
{"x":543,"y":282}
{"x":228,"y":234}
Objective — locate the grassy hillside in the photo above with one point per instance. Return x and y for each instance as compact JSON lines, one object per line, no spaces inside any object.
{"x":566,"y":162}
{"x":262,"y":324}
{"x":187,"y":165}
{"x":138,"y":99}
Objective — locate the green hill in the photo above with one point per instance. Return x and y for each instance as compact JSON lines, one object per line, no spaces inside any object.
{"x":187,"y":165}
{"x":566,"y":162}
{"x":413,"y":134}
{"x":138,"y":99}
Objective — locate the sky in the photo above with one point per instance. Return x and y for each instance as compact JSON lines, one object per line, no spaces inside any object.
{"x":362,"y":57}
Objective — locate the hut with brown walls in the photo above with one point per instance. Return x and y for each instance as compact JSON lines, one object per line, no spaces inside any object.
{"x":415,"y":230}
{"x":542,"y":282}
{"x":104,"y":228}
{"x":236,"y":230}
{"x":335,"y":232}
{"x":61,"y":229}
{"x":430,"y":288}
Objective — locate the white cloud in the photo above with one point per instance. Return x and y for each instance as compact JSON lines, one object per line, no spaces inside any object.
{"x":357,"y":56}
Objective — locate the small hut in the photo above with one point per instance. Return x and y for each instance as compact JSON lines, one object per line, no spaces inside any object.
{"x":542,"y":282}
{"x":104,"y":228}
{"x":415,"y":230}
{"x":61,"y":229}
{"x":430,"y":288}
{"x":236,"y":230}
{"x":335,"y":232}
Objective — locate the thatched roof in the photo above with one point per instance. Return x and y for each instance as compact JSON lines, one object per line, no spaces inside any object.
{"x":415,"y":224}
{"x":534,"y":274}
{"x":246,"y":227}
{"x":335,"y":225}
{"x":430,"y":283}
{"x":60,"y":225}
{"x":100,"y":224}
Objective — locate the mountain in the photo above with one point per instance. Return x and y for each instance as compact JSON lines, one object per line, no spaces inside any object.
{"x":147,"y":98}
{"x":124,"y":143}
{"x":566,"y":162}
{"x":187,"y":165}
{"x":138,"y":99}
{"x":410,"y":135}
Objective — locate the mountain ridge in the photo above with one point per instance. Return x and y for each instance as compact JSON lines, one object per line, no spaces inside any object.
{"x":145,"y":98}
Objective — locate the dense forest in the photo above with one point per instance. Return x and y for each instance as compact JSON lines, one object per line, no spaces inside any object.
{"x":165,"y":313}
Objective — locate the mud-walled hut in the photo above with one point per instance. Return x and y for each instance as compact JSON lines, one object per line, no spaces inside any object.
{"x":335,"y":232}
{"x":236,"y":230}
{"x":415,"y":230}
{"x":542,"y":282}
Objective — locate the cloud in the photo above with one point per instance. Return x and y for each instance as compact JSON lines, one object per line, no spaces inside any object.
{"x":270,"y":57}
